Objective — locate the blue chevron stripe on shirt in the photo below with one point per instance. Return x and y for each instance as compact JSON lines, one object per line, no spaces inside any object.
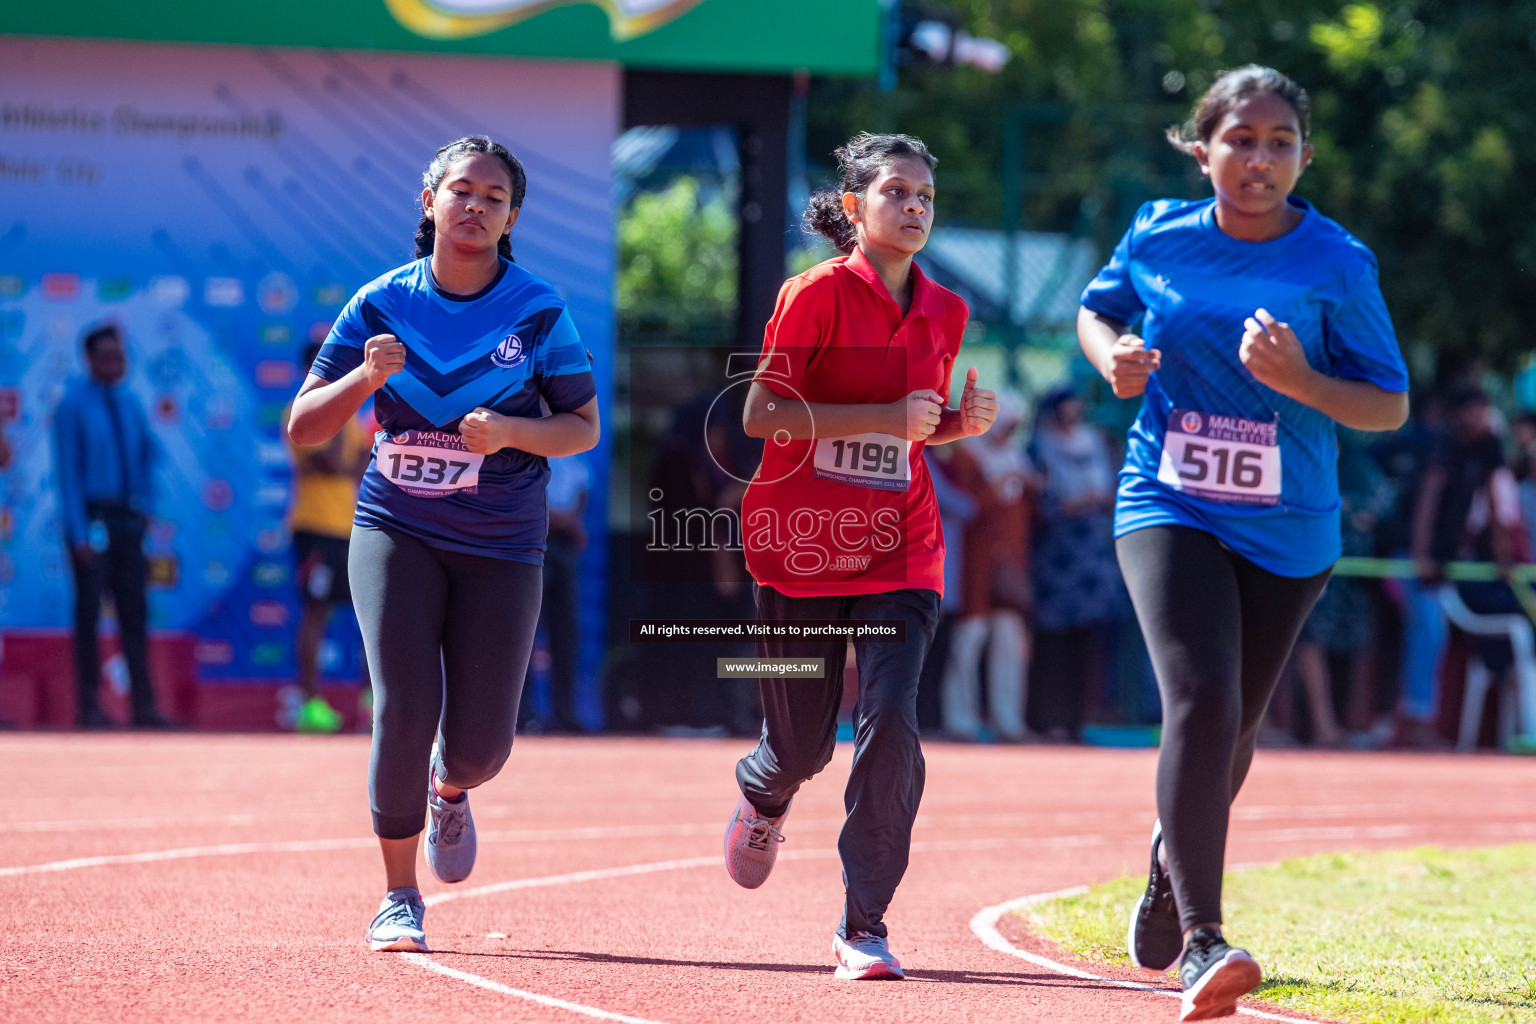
{"x":504,"y":348}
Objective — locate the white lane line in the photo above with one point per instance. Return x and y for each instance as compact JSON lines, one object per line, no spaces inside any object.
{"x":681,"y":864}
{"x":595,"y":875}
{"x":1344,"y":833}
{"x":421,"y":960}
{"x":123,"y":824}
{"x":312,"y":846}
{"x":189,"y":852}
{"x":534,"y":835}
{"x":984,"y":924}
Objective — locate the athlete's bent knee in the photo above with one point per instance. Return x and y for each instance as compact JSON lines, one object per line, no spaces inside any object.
{"x":467,"y":769}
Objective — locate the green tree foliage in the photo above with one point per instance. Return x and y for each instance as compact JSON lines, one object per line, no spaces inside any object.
{"x":1422,"y":124}
{"x":677,"y":259}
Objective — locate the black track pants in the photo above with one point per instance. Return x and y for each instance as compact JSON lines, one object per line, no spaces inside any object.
{"x":1219,"y":630}
{"x":447,"y":637}
{"x":800,"y":732}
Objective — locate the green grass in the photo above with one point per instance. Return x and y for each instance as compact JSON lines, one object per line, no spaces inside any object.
{"x":1424,"y":936}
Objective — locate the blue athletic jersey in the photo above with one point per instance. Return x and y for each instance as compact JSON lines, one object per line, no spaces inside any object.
{"x":1196,"y":285}
{"x":503,"y":348}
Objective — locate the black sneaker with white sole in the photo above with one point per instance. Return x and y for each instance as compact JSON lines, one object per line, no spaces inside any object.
{"x":1214,"y":975}
{"x":1154,"y":938}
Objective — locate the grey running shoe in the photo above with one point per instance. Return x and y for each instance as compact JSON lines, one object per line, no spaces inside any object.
{"x":1214,"y":975}
{"x":396,"y":928}
{"x":451,"y":844}
{"x":1154,"y":938}
{"x":865,"y":957}
{"x":752,"y":844}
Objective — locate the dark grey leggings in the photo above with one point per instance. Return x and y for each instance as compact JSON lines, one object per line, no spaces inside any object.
{"x":447,"y":636}
{"x":885,"y":783}
{"x":1219,"y":630}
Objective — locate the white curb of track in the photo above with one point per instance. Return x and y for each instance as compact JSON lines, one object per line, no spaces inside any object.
{"x":984,"y":924}
{"x":422,"y":960}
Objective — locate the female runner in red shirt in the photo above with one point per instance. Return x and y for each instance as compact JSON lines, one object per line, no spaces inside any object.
{"x":840,"y":522}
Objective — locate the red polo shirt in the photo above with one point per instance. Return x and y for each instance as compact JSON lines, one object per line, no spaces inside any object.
{"x":850,"y":515}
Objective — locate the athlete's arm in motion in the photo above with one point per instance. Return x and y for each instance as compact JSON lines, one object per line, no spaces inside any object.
{"x":1121,"y":357}
{"x":323,"y":407}
{"x":562,"y":433}
{"x":1276,"y":359}
{"x":770,"y":416}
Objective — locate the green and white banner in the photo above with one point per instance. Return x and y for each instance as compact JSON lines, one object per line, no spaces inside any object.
{"x":821,"y":36}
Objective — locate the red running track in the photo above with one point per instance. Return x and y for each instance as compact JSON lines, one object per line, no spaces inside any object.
{"x":170,"y":879}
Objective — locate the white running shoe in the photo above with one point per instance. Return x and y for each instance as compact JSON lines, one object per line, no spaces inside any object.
{"x":397,"y":927}
{"x":865,"y":957}
{"x":752,"y":844}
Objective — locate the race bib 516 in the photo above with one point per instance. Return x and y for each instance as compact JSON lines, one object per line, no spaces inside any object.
{"x":881,"y":461}
{"x":1222,"y":458}
{"x":429,"y":463}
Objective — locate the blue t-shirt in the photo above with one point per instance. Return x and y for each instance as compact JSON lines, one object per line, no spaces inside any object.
{"x":503,"y":348}
{"x":1196,"y":285}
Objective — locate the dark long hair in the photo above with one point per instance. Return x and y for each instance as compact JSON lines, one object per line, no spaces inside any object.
{"x":858,"y":162}
{"x":1230,"y":89}
{"x":426,"y":231}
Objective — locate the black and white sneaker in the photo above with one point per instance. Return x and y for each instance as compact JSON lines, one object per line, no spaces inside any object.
{"x":1154,"y":938}
{"x":1214,"y":975}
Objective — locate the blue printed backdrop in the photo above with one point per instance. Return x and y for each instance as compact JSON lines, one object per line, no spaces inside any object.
{"x":222,"y":204}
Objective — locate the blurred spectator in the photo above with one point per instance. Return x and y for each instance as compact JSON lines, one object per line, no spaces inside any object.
{"x":1402,"y":456}
{"x":1462,"y":464}
{"x":994,"y":473}
{"x":956,"y":511}
{"x":1079,"y":594}
{"x":1524,"y":467}
{"x":560,"y":613}
{"x":1341,"y":624}
{"x":696,"y":488}
{"x":105,"y":457}
{"x":325,"y":483}
{"x":1495,"y":532}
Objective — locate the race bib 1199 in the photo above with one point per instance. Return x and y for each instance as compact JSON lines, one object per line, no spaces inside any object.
{"x":1222,"y":458}
{"x":429,"y":463}
{"x":881,"y":461}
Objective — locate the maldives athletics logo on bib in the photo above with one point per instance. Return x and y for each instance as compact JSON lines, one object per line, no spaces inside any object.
{"x":1190,"y":423}
{"x":509,"y":353}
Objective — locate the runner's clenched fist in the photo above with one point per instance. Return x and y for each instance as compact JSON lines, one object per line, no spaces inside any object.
{"x":920,"y":414}
{"x":383,"y":357}
{"x":485,"y":431}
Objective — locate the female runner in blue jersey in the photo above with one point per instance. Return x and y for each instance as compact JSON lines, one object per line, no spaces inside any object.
{"x":459,"y":349}
{"x":1262,"y":325}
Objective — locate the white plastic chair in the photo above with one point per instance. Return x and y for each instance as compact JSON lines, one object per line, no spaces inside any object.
{"x":1522,"y":641}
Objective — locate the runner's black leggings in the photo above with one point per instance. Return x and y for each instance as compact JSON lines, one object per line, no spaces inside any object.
{"x":1219,"y":630}
{"x":448,"y":637}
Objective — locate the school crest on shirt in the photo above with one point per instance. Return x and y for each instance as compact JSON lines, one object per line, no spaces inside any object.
{"x":509,"y":353}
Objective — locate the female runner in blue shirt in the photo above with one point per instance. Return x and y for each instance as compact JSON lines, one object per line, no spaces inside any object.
{"x":1262,"y":326}
{"x":462,"y":350}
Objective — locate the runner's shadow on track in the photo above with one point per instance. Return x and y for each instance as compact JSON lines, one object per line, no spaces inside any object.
{"x":582,"y":956}
{"x":1033,"y":980}
{"x":1041,"y":979}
